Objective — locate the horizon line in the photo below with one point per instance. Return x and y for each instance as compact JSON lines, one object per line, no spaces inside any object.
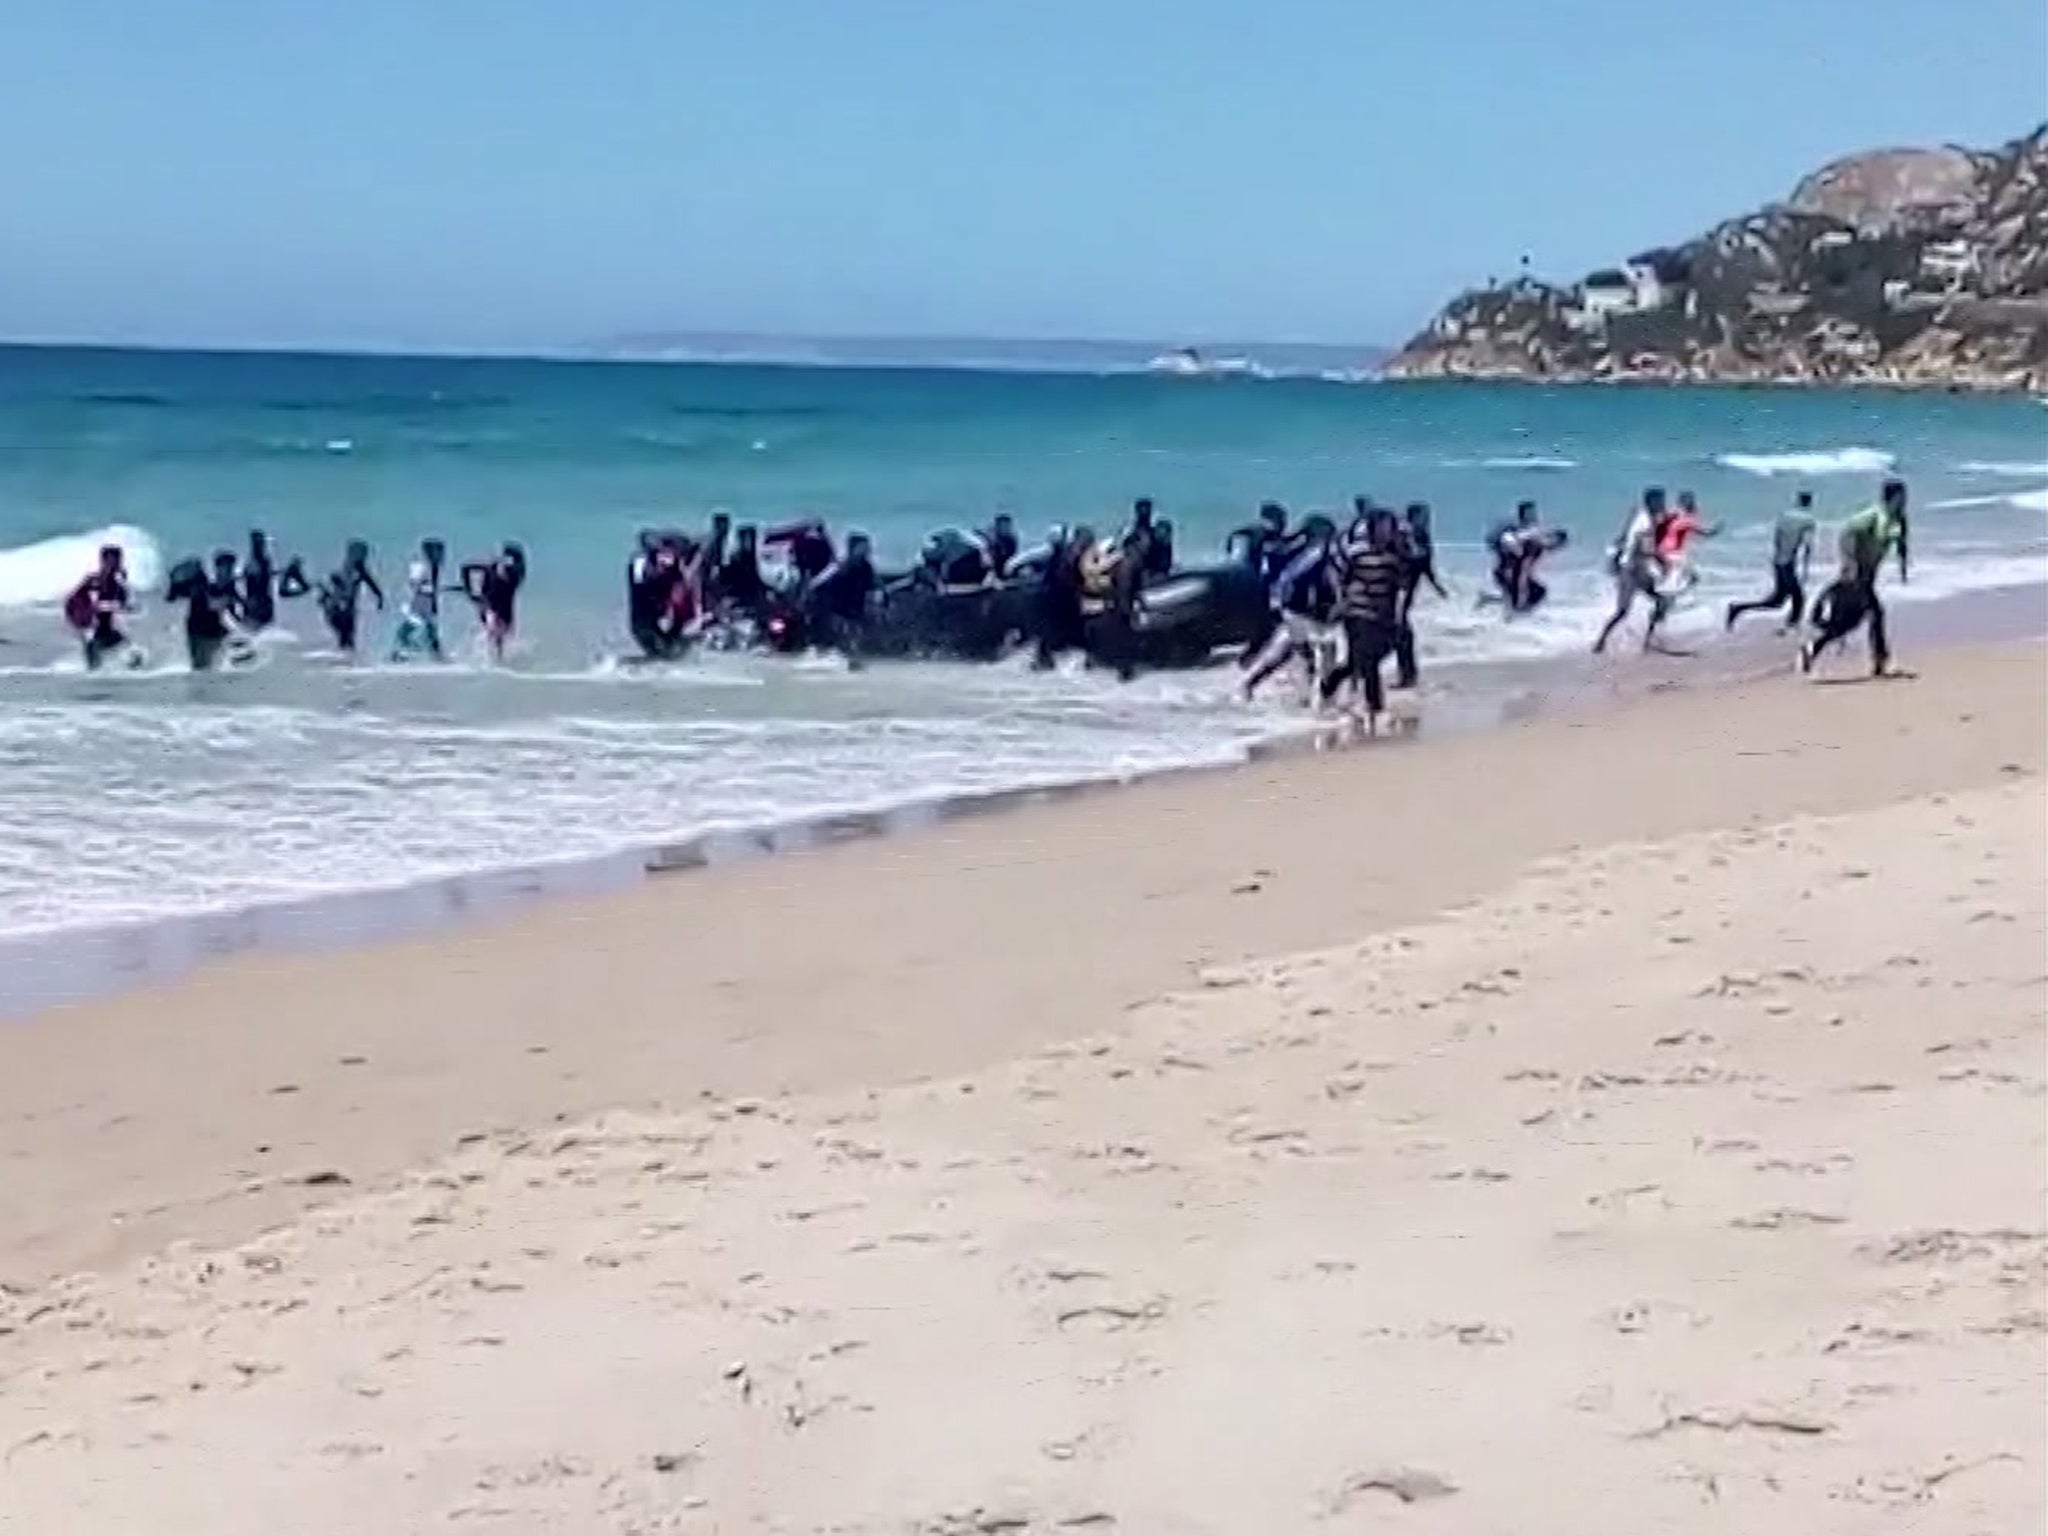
{"x":639,"y":346}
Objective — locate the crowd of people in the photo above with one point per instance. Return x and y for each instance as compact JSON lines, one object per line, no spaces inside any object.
{"x":681,"y":587}
{"x":1338,"y":603}
{"x":1651,"y":563}
{"x":684,"y":587}
{"x":1344,"y":605}
{"x":234,"y":599}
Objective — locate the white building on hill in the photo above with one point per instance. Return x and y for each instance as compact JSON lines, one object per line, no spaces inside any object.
{"x":1647,"y":282}
{"x":1950,"y":263}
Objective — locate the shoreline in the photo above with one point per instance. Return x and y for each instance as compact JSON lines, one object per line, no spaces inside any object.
{"x":50,"y":968}
{"x":210,"y":1105}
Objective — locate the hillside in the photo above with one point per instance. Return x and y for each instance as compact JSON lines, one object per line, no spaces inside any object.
{"x":1920,"y":267}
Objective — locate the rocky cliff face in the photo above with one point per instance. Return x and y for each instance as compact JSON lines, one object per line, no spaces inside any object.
{"x":1909,"y":267}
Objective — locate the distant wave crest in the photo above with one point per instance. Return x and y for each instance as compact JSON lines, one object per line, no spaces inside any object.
{"x":2017,"y":469}
{"x":1534,"y":461}
{"x":1819,"y":461}
{"x":47,"y":570}
{"x":2023,"y":501}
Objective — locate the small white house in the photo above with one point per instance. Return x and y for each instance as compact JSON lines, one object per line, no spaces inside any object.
{"x":1832,"y":240}
{"x":1646,"y":284}
{"x":1604,"y":293}
{"x":1950,"y":262}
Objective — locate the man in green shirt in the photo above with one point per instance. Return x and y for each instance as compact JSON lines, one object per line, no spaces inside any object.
{"x":1866,"y":539}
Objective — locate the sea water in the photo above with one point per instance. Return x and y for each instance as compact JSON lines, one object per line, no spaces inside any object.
{"x":133,"y":796}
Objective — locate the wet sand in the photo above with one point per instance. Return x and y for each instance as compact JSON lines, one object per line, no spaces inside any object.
{"x":1644,"y":1109}
{"x":44,"y":969}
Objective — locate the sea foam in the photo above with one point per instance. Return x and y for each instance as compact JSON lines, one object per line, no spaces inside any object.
{"x":1819,"y":461}
{"x":47,"y":570}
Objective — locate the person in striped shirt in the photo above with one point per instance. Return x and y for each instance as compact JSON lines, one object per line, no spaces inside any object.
{"x":1371,"y":571}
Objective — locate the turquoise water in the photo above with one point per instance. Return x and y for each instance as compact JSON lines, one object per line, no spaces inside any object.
{"x":158,"y":792}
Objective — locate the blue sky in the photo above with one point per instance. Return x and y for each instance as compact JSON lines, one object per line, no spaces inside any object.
{"x":487,"y":173}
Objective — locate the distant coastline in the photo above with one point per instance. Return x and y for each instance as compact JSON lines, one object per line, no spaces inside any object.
{"x":1061,"y":357}
{"x":1897,"y":268}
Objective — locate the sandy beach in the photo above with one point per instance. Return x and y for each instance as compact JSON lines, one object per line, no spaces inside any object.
{"x":1629,"y":1123}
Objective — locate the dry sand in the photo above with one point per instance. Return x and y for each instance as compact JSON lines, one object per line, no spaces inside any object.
{"x":1687,"y":1175}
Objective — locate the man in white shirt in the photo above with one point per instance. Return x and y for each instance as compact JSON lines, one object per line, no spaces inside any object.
{"x":1637,"y":569}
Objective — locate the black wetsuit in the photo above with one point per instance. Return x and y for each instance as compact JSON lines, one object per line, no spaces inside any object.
{"x":712,"y":564}
{"x":1002,"y":549}
{"x":496,"y":591}
{"x":1851,"y":600}
{"x":839,"y":604}
{"x":207,"y":608}
{"x":810,"y":553}
{"x":1842,"y":607}
{"x":1058,"y":617}
{"x":259,"y":592}
{"x":956,"y":560}
{"x":650,"y":594}
{"x":1144,"y":554}
{"x":740,"y":585}
{"x":1418,"y":564}
{"x":1139,"y":547}
{"x":1371,"y":609}
{"x":1269,"y":551}
{"x":1158,"y":562}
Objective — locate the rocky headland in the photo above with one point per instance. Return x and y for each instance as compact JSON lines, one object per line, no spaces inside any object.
{"x":1905,"y":267}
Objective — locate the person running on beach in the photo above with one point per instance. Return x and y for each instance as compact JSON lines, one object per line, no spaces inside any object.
{"x":260,"y":583}
{"x":493,"y":585}
{"x":210,"y":606}
{"x":341,"y":595}
{"x":653,"y":579}
{"x":1791,"y":564}
{"x":1060,"y":609}
{"x":1518,"y":549}
{"x":1638,"y":569}
{"x":1117,"y":572}
{"x":96,"y":603}
{"x":1418,"y":565}
{"x":1266,"y":547}
{"x":839,"y":599}
{"x":419,"y":621}
{"x":1305,"y":600}
{"x":1510,"y":545}
{"x":1851,"y":600}
{"x":1371,"y":609}
{"x":1674,"y":538}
